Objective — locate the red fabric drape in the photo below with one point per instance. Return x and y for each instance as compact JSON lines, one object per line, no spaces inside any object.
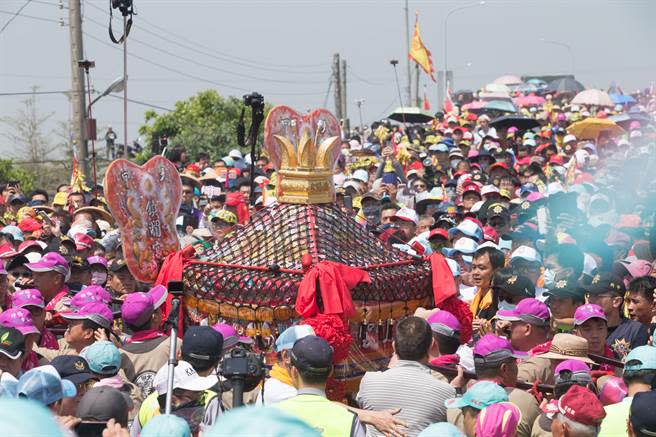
{"x":335,"y":282}
{"x":172,"y":271}
{"x":445,"y":294}
{"x":240,"y":202}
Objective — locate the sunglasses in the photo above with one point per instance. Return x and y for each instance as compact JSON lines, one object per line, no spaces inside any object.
{"x":22,"y":274}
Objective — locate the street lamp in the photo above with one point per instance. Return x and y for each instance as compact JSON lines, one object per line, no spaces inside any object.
{"x":115,"y":87}
{"x":562,"y":44}
{"x":446,"y":33}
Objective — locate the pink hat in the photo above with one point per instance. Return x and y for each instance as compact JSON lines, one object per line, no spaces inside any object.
{"x":139,"y":307}
{"x":92,"y":293}
{"x":31,"y":243}
{"x":97,"y":260}
{"x":230,"y":336}
{"x":20,"y":319}
{"x":588,"y":311}
{"x":493,"y":349}
{"x":612,"y":390}
{"x":97,"y":312}
{"x":637,"y":268}
{"x":27,"y":297}
{"x":528,"y":310}
{"x":443,"y":322}
{"x":51,"y":261}
{"x":573,"y":366}
{"x":83,"y":241}
{"x":498,"y":420}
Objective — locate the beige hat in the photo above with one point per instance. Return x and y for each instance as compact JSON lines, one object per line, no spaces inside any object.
{"x":566,"y":347}
{"x":423,"y":313}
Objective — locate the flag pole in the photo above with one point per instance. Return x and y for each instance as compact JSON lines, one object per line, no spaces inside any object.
{"x":407,"y":47}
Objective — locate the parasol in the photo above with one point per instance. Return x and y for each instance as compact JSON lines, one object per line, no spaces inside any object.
{"x":496,"y":88}
{"x":521,"y":123}
{"x":508,"y":80}
{"x":494,"y":96}
{"x":593,"y":98}
{"x":621,"y":99}
{"x":624,"y":120}
{"x":565,"y":85}
{"x":410,"y":114}
{"x":494,"y":105}
{"x":530,"y":100}
{"x":537,"y":82}
{"x":527,"y":88}
{"x":591,"y":128}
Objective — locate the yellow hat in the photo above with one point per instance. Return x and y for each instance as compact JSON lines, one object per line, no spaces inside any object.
{"x":61,"y":199}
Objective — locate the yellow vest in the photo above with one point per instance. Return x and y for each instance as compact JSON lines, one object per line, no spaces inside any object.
{"x":321,"y":414}
{"x":150,"y":406}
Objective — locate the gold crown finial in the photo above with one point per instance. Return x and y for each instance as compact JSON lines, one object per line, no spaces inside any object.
{"x":303,"y":149}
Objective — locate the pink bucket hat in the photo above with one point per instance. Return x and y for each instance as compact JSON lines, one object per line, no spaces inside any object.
{"x":20,"y":319}
{"x":498,"y":420}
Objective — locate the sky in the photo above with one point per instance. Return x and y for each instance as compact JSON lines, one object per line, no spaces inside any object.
{"x":284,"y":48}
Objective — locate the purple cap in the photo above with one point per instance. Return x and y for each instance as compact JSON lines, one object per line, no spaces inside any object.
{"x":20,"y":319}
{"x":51,"y":261}
{"x":230,"y":336}
{"x":97,"y":260}
{"x":443,"y":322}
{"x":573,"y":366}
{"x":587,"y":312}
{"x":493,"y":349}
{"x":528,"y":310}
{"x":92,"y":293}
{"x":97,"y":312}
{"x":27,"y":297}
{"x":139,"y":307}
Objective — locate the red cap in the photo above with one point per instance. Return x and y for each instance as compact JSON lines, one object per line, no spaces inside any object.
{"x":557,"y":159}
{"x":193,"y":168}
{"x":7,"y":251}
{"x":438,"y":232}
{"x":489,"y":234}
{"x":471,"y":187}
{"x":581,"y":405}
{"x":502,"y":165}
{"x":472,"y":117}
{"x":417,"y":165}
{"x":83,"y":241}
{"x":28,"y":224}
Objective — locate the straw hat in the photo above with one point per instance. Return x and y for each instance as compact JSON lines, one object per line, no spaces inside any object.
{"x":568,"y":346}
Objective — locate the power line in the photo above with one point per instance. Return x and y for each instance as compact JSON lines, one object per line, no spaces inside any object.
{"x":30,"y":93}
{"x":191,"y":76}
{"x":15,"y":15}
{"x":211,"y":67}
{"x":280,"y":68}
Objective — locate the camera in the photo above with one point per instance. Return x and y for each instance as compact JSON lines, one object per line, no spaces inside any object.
{"x":125,"y":6}
{"x":255,"y":100}
{"x":243,"y":371}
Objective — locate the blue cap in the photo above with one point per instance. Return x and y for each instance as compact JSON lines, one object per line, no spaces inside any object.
{"x":8,"y":388}
{"x":43,"y":384}
{"x":14,"y":231}
{"x":166,"y":424}
{"x":291,"y":335}
{"x":479,"y":396}
{"x":641,"y":358}
{"x":34,"y":419}
{"x":442,"y":429}
{"x":103,"y":357}
{"x":271,"y":422}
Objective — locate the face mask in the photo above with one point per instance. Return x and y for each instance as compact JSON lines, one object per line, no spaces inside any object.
{"x":549,"y":278}
{"x":506,"y":306}
{"x":454,"y":163}
{"x":98,"y":278}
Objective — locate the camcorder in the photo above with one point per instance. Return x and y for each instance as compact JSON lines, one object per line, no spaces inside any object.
{"x":243,"y":371}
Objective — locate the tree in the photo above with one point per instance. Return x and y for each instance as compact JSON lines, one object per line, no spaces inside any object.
{"x":8,"y":172}
{"x":26,"y":134}
{"x":205,"y":122}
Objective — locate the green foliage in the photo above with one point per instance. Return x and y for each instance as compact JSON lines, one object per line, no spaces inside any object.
{"x":9,"y":172}
{"x":143,"y":156}
{"x":205,"y":122}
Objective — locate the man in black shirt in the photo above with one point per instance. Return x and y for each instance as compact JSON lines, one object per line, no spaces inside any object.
{"x":624,"y":334}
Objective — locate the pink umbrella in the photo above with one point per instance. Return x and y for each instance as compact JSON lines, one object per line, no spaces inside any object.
{"x":476,"y":104}
{"x":530,"y":100}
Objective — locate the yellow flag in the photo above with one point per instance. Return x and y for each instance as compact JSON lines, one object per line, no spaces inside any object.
{"x":419,"y":53}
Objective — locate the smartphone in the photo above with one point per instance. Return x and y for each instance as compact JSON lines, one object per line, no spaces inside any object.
{"x":348,"y":203}
{"x":45,"y":217}
{"x":389,"y":178}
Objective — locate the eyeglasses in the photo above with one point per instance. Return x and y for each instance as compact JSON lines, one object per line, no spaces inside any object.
{"x":419,"y":186}
{"x":22,"y":274}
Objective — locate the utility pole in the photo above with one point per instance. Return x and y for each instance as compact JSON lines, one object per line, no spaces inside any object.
{"x":416,"y":85}
{"x":77,"y":75}
{"x":407,"y":57}
{"x":347,"y":124}
{"x":337,"y":91}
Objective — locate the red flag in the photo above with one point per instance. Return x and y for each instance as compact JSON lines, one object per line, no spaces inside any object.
{"x":426,"y":104}
{"x":448,"y":103}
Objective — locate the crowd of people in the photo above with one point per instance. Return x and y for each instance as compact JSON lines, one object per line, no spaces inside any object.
{"x":549,"y":237}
